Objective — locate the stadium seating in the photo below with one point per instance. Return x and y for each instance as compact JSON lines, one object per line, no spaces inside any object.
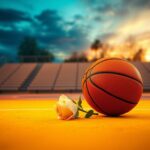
{"x":147,"y":66}
{"x":50,"y":77}
{"x":81,"y":69}
{"x":66,"y":79}
{"x":6,"y":71}
{"x":45,"y":78}
{"x":143,"y":68}
{"x":17,"y":78}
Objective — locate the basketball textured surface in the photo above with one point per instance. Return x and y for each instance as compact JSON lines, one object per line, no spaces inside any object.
{"x":112,"y":86}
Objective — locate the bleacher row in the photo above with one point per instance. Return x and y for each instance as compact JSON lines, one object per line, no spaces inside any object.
{"x":50,"y":77}
{"x":41,"y":77}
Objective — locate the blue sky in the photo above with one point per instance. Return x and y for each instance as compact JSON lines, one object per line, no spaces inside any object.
{"x":65,"y":26}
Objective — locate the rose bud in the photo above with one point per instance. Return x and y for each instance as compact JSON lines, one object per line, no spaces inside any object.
{"x":66,"y":108}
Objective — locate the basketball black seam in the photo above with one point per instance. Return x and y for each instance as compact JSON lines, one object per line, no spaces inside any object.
{"x":116,"y":73}
{"x":94,"y":101}
{"x":103,"y":61}
{"x":106,"y":60}
{"x":117,"y":97}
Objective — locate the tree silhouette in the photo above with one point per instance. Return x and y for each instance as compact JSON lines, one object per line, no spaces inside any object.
{"x":28,"y":47}
{"x":76,"y":57}
{"x":45,"y":56}
{"x":138,"y":55}
{"x":29,"y":51}
{"x":96,"y":45}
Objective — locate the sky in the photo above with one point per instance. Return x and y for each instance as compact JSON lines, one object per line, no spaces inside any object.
{"x":65,"y":26}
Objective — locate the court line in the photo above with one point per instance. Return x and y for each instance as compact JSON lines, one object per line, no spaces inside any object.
{"x":25,"y":109}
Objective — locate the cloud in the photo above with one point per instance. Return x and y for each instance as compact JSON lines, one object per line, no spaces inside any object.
{"x":107,"y":36}
{"x":12,"y":15}
{"x":118,"y":10}
{"x":53,"y":32}
{"x":137,"y":3}
{"x":48,"y":27}
{"x":78,"y":17}
{"x":48,"y":17}
{"x":120,"y":18}
{"x":139,"y":25}
{"x":21,"y":4}
{"x":10,"y":40}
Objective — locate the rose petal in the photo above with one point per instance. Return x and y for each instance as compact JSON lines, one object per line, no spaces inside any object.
{"x":63,"y":112}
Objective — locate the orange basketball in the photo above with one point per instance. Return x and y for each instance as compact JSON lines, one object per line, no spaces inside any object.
{"x":112,"y":86}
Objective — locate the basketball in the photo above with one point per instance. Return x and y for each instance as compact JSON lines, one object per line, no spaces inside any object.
{"x":112,"y":86}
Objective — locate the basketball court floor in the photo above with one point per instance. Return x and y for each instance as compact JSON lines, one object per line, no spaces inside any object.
{"x":29,"y":122}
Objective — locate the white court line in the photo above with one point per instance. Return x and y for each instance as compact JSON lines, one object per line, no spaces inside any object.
{"x":46,"y":109}
{"x":25,"y":109}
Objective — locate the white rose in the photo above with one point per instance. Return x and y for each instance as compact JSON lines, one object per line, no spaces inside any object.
{"x":66,"y":108}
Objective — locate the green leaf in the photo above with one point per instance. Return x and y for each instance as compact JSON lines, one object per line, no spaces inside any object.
{"x":77,"y":114}
{"x":89,"y":114}
{"x":80,"y":102}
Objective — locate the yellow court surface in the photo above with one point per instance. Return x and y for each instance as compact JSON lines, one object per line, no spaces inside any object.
{"x":32,"y":124}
